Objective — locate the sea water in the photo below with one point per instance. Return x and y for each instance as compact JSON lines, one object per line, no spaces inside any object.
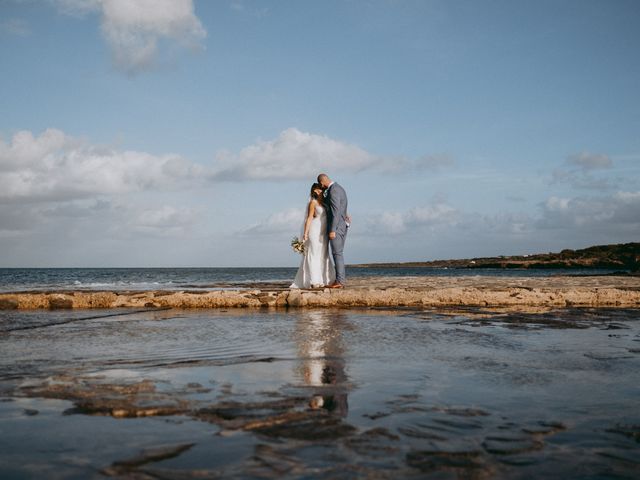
{"x":21,"y":279}
{"x":320,"y":393}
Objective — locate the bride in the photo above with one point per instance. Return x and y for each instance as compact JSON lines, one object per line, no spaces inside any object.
{"x":316,"y":269}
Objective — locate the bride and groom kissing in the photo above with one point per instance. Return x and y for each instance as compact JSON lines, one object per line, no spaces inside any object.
{"x":326,"y":224}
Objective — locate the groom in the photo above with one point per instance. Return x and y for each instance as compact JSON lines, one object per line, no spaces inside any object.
{"x":336,"y":201}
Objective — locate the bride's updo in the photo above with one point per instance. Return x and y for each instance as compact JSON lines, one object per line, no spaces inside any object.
{"x":314,"y":187}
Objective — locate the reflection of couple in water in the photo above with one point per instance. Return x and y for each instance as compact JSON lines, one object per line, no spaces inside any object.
{"x":321,"y":351}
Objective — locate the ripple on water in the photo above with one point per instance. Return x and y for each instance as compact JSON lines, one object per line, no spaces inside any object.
{"x":481,"y":400}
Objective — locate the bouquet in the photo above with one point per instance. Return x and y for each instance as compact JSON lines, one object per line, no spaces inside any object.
{"x":297,"y":245}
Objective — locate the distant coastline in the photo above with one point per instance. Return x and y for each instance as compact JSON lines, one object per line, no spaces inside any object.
{"x":618,"y":257}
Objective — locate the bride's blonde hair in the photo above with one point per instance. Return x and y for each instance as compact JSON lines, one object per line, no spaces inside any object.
{"x":315,"y":186}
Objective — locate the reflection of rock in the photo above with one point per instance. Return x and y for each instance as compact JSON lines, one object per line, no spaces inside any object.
{"x":287,"y":416}
{"x":509,"y":445}
{"x":93,"y":397}
{"x":461,"y":464}
{"x":128,"y":467}
{"x":374,"y":442}
{"x":630,"y":431}
{"x":312,"y":425}
{"x":544,"y":428}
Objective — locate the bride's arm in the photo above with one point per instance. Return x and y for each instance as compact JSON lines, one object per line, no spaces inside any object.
{"x":311,"y":211}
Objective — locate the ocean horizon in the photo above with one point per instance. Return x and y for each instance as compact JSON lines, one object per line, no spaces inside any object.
{"x":179,"y":278}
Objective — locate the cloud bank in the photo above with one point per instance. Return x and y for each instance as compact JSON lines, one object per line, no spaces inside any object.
{"x":135,"y":30}
{"x":301,"y":155}
{"x":580,"y":172}
{"x":288,"y":222}
{"x":435,"y":215}
{"x":56,"y":166}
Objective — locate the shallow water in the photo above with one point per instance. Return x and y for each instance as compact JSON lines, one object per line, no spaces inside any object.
{"x":320,"y":393}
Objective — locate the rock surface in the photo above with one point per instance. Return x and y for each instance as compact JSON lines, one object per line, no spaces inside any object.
{"x":471,"y":291}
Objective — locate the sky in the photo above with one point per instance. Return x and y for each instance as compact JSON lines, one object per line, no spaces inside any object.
{"x":168,"y":133}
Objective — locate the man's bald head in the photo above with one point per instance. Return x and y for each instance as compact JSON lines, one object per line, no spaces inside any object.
{"x":324,"y":180}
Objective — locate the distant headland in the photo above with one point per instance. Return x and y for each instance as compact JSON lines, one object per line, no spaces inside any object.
{"x":624,"y":256}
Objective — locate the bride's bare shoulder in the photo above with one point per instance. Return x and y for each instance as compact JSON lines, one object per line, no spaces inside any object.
{"x":311,"y":207}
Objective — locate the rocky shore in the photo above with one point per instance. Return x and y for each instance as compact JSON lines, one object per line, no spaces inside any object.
{"x":472,"y":291}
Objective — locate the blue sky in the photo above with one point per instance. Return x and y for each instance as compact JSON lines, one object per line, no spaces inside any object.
{"x":179,"y":133}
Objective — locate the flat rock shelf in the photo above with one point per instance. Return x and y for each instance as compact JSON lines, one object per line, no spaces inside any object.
{"x":388,"y":291}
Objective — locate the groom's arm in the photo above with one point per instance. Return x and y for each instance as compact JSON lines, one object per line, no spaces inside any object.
{"x":334,"y":205}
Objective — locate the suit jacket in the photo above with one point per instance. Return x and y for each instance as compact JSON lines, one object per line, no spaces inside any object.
{"x":336,"y":209}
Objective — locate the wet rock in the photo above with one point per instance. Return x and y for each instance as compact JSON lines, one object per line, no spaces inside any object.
{"x":458,"y":424}
{"x":606,"y":357}
{"x":196,"y":388}
{"x":8,"y":304}
{"x":30,"y":412}
{"x":421,"y":431}
{"x":310,"y":425}
{"x":508,"y":445}
{"x":376,"y":415}
{"x":155,"y":454}
{"x":58,"y":303}
{"x":124,"y":408}
{"x":615,"y":326}
{"x":243,"y":413}
{"x":518,"y":293}
{"x":379,"y":432}
{"x":373,"y":442}
{"x":271,"y":462}
{"x":296,"y":299}
{"x":545,"y":428}
{"x":466,"y":412}
{"x":630,"y":431}
{"x":91,"y":397}
{"x":460,"y":464}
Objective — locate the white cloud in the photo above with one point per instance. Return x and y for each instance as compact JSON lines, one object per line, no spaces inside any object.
{"x":556,"y":204}
{"x":286,"y":223}
{"x":55,"y":166}
{"x":90,"y":220}
{"x":617,"y":213}
{"x":293,"y":154}
{"x":165,"y":221}
{"x":135,"y":29}
{"x":590,"y":161}
{"x":429,"y":216}
{"x":300,"y":155}
{"x":580,"y":172}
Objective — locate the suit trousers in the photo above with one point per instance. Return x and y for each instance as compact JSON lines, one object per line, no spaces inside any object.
{"x":337,"y":246}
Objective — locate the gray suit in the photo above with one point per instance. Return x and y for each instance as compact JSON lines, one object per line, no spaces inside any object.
{"x":337,"y":222}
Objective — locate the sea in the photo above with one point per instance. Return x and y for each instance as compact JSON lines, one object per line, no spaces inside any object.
{"x":319,"y":393}
{"x":312,"y":393}
{"x":51,"y":279}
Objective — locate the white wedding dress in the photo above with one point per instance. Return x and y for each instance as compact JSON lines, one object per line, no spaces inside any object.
{"x":316,"y":268}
